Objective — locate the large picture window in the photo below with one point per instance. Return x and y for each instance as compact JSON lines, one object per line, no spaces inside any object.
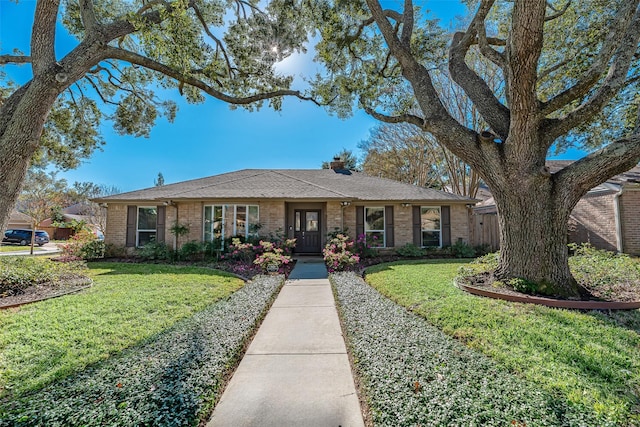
{"x":223,"y":221}
{"x":374,"y":226}
{"x":430,"y":225}
{"x":147,"y":224}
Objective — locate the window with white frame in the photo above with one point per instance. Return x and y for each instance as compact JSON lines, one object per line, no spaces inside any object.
{"x":430,"y":226}
{"x":147,"y":224}
{"x":223,"y":221}
{"x":374,"y":226}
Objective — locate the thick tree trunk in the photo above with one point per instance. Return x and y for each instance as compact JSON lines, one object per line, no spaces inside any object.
{"x":533,"y":236}
{"x":22,"y":119}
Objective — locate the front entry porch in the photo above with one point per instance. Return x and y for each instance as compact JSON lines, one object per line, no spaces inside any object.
{"x":306,"y":223}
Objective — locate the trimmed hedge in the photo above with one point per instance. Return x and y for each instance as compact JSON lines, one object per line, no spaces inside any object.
{"x":413,"y":374}
{"x":173,"y":380}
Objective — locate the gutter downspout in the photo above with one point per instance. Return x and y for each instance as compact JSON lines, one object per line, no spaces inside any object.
{"x":618,"y":219}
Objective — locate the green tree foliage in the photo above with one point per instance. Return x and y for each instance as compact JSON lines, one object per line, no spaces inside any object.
{"x":159,"y":181}
{"x":571,"y":76}
{"x":126,"y":52}
{"x":42,"y":195}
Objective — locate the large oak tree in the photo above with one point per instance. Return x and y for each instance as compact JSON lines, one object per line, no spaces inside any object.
{"x":126,"y":50}
{"x":570,"y":71}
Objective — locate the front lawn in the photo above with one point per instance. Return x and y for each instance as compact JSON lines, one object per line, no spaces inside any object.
{"x":17,"y":248}
{"x":173,"y":378}
{"x":592,"y":359}
{"x":128,"y":304}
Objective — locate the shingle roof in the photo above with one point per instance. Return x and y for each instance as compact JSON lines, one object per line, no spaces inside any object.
{"x":301,"y":184}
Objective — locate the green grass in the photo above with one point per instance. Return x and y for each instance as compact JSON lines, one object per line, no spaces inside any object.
{"x":590,"y":358}
{"x":128,"y":304}
{"x":17,"y":248}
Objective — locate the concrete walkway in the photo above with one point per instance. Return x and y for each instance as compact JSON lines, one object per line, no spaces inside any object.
{"x":296,"y":371}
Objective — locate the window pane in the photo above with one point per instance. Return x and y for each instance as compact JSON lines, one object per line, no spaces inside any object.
{"x":241,"y":221}
{"x":147,"y":218}
{"x":298,"y":221}
{"x":312,"y":221}
{"x":254,"y":220}
{"x":375,"y":239}
{"x":217,"y":221}
{"x":374,"y":219}
{"x":228,"y":220}
{"x":145,"y":237}
{"x":430,"y":218}
{"x":208,"y":223}
{"x":431,"y":238}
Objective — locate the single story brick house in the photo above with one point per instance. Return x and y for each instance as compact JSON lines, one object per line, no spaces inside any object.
{"x":301,"y":203}
{"x":607,"y":216}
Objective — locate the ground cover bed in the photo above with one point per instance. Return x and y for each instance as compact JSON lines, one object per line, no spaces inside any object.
{"x":146,"y":345}
{"x":589,"y":359}
{"x":24,"y":279}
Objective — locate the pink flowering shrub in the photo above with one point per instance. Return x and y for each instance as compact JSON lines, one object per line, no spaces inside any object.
{"x":271,"y":254}
{"x":339,"y":254}
{"x":241,"y":251}
{"x":82,"y":245}
{"x":363,"y":246}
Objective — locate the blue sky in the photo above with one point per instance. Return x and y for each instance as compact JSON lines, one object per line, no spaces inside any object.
{"x":208,"y":139}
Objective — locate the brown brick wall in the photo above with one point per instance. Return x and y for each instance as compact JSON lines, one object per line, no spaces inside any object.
{"x":272,"y":218}
{"x":334,"y":216}
{"x":593,"y":221}
{"x":116,"y":231}
{"x":403,"y":223}
{"x":630,"y":214}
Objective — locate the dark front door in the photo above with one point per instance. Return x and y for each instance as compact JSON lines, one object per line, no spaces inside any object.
{"x":307,"y":231}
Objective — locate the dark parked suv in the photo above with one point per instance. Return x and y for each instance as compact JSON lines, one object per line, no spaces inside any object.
{"x":23,"y":237}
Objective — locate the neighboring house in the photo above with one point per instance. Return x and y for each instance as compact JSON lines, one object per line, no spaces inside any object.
{"x":304,"y":204}
{"x":18,"y":220}
{"x":607,"y":216}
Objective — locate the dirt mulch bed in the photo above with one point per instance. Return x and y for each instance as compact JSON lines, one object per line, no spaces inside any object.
{"x":45,"y":291}
{"x":616,"y":297}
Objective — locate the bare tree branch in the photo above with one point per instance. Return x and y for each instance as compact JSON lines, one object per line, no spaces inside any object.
{"x":403,"y":118}
{"x":486,"y":49}
{"x":491,"y":109}
{"x":579,"y":177}
{"x":43,"y":34}
{"x":88,"y":17}
{"x":407,"y":23}
{"x":624,"y":22}
{"x":14,"y":59}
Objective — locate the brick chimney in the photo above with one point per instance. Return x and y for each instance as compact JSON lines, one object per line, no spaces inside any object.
{"x":337,"y":164}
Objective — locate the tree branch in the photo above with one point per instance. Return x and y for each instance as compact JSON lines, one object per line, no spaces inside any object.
{"x":43,"y":35}
{"x":486,"y":49}
{"x":216,"y":40}
{"x":622,"y":24}
{"x":14,"y":59}
{"x":579,"y":177}
{"x":407,"y":23}
{"x":403,"y":118}
{"x":491,"y":109}
{"x":558,"y":13}
{"x":615,"y":79}
{"x":88,"y":17}
{"x":150,"y":64}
